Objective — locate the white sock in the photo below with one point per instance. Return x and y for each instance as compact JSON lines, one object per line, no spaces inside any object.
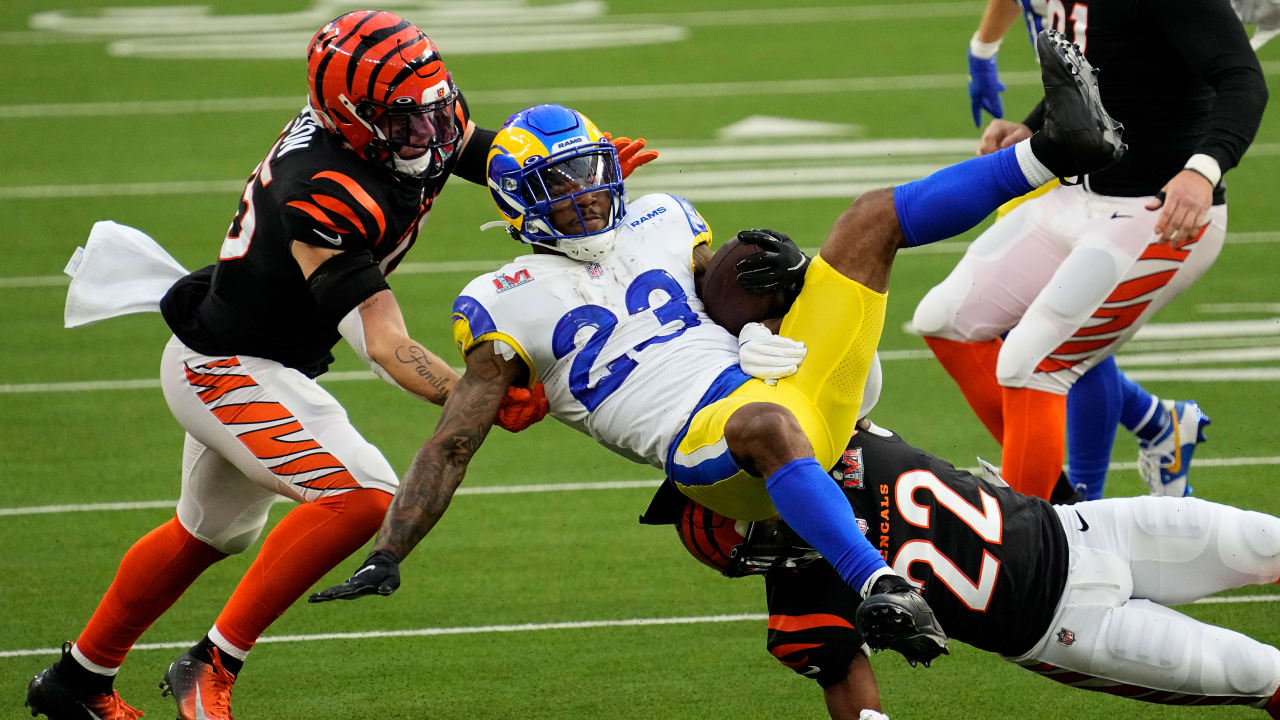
{"x":1034,"y":170}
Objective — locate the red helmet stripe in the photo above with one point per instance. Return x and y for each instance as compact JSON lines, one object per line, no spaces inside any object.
{"x":360,"y":196}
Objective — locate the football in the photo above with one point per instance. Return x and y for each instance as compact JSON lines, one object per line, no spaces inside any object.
{"x":728,"y":303}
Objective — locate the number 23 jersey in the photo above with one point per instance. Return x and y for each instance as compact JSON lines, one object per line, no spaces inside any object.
{"x":623,"y":347}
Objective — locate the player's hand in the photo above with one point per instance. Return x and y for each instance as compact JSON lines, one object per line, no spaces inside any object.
{"x":895,"y":615}
{"x":1186,"y":200}
{"x":780,"y":267}
{"x":631,"y":153}
{"x":522,"y":407}
{"x":379,"y":574}
{"x":1002,"y":134}
{"x":984,"y":88}
{"x":767,"y":356}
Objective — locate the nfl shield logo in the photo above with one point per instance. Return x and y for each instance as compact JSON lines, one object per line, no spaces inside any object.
{"x":1066,"y":637}
{"x":848,"y":471}
{"x":594,"y":270}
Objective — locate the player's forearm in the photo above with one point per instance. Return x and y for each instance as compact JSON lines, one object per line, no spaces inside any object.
{"x":997,"y":19}
{"x":417,"y":370}
{"x":427,"y":489}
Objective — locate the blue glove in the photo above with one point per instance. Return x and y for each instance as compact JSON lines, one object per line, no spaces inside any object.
{"x":984,"y":88}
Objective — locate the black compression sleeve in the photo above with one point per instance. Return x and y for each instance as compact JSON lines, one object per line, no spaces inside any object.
{"x":1213,"y":42}
{"x":344,"y":281}
{"x":475,"y":156}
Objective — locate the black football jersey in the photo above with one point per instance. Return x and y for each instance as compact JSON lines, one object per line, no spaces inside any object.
{"x":993,"y":562}
{"x":1181,"y":76}
{"x":310,"y":188}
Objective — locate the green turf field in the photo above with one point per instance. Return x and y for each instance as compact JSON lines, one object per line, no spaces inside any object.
{"x":526,"y":603}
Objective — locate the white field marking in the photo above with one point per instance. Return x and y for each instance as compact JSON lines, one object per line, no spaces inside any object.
{"x":1238,"y":355}
{"x":547,"y":487}
{"x":464,"y":490}
{"x":567,"y":95}
{"x":1206,"y":375}
{"x":537,"y":627}
{"x":466,"y":630}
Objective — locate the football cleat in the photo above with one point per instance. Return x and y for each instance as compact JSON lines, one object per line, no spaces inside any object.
{"x":896,"y":616}
{"x":1084,"y":137}
{"x":203,"y":690}
{"x":51,"y":695}
{"x":1163,"y":463}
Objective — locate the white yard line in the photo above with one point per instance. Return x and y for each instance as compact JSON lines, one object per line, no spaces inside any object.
{"x":534,"y":627}
{"x":565,"y":95}
{"x":547,"y":487}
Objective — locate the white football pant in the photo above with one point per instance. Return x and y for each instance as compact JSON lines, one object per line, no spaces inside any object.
{"x":1071,"y":276}
{"x":257,"y":430}
{"x":1130,"y":558}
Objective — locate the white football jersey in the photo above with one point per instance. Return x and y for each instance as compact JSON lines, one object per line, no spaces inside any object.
{"x":624,"y":347}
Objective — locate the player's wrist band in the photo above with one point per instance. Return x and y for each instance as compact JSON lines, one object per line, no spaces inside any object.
{"x":1205,"y":166}
{"x":983,"y":50}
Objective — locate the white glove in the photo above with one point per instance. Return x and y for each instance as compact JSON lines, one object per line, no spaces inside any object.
{"x":868,"y":714}
{"x":767,"y":356}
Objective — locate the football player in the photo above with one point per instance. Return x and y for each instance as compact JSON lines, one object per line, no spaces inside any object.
{"x":332,"y":209}
{"x":1077,"y":593}
{"x":607,"y":315}
{"x":1072,"y":274}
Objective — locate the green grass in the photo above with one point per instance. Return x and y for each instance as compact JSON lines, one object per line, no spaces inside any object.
{"x":506,"y":559}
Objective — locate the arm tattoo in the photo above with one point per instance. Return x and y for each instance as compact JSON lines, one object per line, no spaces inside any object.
{"x":418,"y":358}
{"x":439,"y":466}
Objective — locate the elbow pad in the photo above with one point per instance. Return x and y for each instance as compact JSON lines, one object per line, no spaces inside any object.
{"x":344,"y":281}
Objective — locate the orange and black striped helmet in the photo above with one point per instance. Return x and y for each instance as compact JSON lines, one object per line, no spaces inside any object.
{"x":377,"y":80}
{"x":736,"y":547}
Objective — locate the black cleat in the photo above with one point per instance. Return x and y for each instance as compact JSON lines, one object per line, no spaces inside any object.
{"x":1078,"y":135}
{"x":201,"y":689}
{"x":896,"y":616}
{"x":51,"y":695}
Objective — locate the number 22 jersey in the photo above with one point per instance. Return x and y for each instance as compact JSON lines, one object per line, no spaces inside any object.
{"x":623,"y":347}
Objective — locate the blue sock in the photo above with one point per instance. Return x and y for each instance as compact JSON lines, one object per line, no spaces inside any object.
{"x":1093,"y":409}
{"x":811,"y":503}
{"x":958,"y":197}
{"x":1143,"y":414}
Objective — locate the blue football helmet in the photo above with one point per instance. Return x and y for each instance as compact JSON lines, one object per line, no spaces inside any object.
{"x":551,"y":165}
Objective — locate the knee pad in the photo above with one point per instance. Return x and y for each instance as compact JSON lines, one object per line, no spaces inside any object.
{"x":936,"y":313}
{"x":1257,"y":550}
{"x":1251,"y":667}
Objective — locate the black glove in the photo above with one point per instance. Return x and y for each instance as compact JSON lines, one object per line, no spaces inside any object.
{"x":781,"y":266}
{"x":896,"y":616}
{"x":379,"y":573}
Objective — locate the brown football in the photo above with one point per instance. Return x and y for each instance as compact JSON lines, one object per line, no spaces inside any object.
{"x":728,"y":304}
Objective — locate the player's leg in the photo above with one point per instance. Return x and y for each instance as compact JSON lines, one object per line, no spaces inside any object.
{"x":1148,"y":652}
{"x":1094,"y":406}
{"x":1166,"y":550}
{"x":1181,"y":549}
{"x":289,"y":437}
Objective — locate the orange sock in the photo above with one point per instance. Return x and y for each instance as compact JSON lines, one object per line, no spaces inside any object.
{"x":309,"y":542}
{"x":153,"y":574}
{"x":1035,"y":428}
{"x":973,"y":366}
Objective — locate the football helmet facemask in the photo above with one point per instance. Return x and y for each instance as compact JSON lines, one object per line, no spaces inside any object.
{"x":378,"y":81}
{"x":556,"y":181}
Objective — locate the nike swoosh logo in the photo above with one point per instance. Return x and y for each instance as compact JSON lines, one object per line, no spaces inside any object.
{"x":200,"y":705}
{"x":1176,"y":466}
{"x":332,"y":239}
{"x":1115,"y":215}
{"x":366,"y":567}
{"x":1084,"y":525}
